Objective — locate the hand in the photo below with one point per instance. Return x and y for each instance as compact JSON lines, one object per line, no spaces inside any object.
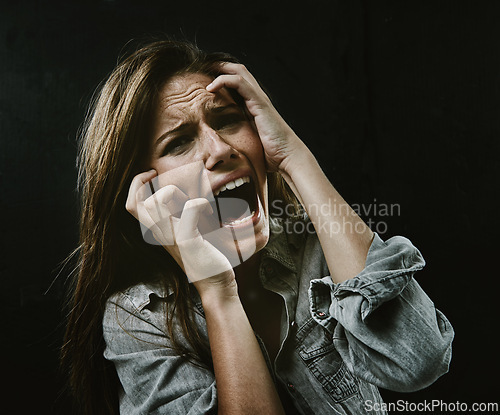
{"x":180,"y":236}
{"x":278,"y":139}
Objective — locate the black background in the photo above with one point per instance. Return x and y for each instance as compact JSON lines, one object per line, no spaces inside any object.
{"x":399,"y":100}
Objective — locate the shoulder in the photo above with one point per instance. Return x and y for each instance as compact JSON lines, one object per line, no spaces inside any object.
{"x":142,"y":316}
{"x":137,"y":297}
{"x":135,"y":317}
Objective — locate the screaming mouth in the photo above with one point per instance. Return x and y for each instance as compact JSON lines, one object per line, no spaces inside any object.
{"x":236,"y":201}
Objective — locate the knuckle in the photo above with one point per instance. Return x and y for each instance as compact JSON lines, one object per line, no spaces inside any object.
{"x":198,"y":202}
{"x":150,"y":203}
{"x":137,"y":180}
{"x":134,"y":180}
{"x":166,"y":192}
{"x":130,"y":206}
{"x":191,"y":203}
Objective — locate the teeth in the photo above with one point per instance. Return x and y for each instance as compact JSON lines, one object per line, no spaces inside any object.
{"x":233,"y":184}
{"x":237,"y":222}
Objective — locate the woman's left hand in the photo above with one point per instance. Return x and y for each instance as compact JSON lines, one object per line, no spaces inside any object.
{"x":278,"y":139}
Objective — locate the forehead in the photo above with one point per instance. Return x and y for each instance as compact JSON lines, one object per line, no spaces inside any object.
{"x":185,"y":93}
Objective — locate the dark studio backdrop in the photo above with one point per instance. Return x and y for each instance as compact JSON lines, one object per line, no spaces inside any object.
{"x":399,"y":100}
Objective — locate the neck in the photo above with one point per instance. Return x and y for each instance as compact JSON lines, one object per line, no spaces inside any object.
{"x":247,"y":272}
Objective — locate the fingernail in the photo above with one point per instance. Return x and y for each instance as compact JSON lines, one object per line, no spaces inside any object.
{"x":209,"y":86}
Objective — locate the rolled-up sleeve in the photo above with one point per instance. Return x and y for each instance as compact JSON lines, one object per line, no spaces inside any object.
{"x":154,"y":378}
{"x":384,"y":326}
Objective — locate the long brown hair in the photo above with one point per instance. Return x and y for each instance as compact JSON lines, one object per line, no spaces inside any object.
{"x":112,"y":254}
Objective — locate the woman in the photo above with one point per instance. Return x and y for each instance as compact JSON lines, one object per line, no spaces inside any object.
{"x":217,"y":306}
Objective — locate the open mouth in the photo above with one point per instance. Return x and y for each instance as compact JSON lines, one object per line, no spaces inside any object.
{"x":237,"y":201}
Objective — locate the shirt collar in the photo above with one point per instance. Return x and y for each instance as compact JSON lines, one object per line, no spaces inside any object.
{"x":280,"y":242}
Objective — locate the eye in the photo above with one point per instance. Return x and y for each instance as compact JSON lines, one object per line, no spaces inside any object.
{"x":228,"y":121}
{"x":177,"y":145}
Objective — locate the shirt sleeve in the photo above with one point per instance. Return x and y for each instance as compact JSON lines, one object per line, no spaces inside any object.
{"x":384,"y":326}
{"x":154,"y":378}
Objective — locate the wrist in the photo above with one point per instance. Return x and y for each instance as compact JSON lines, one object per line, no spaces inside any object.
{"x":216,"y":291}
{"x":220,"y":303}
{"x":298,"y":159}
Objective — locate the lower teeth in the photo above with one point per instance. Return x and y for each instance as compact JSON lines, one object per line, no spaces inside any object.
{"x":238,"y":221}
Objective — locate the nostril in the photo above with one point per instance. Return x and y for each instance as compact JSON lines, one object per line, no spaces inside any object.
{"x":216,"y":164}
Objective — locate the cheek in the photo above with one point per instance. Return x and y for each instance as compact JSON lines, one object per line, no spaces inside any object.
{"x":176,"y":171}
{"x":250,"y":145}
{"x":164,"y":164}
{"x":253,"y":150}
{"x":188,"y":176}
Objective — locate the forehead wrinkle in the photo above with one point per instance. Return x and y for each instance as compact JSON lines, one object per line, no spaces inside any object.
{"x":174,"y":110}
{"x":183,"y":98}
{"x":183,"y":101}
{"x":184,"y":105}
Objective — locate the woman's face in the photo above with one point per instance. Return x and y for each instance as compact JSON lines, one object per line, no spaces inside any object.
{"x":204,"y":144}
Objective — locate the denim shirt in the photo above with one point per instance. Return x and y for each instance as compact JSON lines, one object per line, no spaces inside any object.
{"x":339,"y":342}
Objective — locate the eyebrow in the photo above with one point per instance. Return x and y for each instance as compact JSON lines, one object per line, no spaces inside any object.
{"x":213,"y":109}
{"x":221,"y":108}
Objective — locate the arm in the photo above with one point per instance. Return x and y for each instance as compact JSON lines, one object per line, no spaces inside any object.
{"x":345,"y":238}
{"x":404,"y":345}
{"x":383,"y":324}
{"x":244,"y":384}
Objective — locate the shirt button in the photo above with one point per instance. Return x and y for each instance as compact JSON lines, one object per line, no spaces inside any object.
{"x":320,"y":314}
{"x":292,"y":323}
{"x":290,"y":386}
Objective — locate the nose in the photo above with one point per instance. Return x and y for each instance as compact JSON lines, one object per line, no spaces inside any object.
{"x":217,"y":151}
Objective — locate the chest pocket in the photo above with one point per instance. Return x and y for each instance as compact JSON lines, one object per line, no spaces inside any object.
{"x":315,"y":347}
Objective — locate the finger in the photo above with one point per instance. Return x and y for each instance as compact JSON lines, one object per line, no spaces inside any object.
{"x":152,"y":233}
{"x":138,"y":190}
{"x":234,"y":81}
{"x":166,"y":202}
{"x":162,"y":208}
{"x":232,"y":68}
{"x":255,"y":99}
{"x":188,"y":225}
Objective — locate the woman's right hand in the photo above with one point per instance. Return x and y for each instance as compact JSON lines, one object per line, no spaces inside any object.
{"x":203,"y":264}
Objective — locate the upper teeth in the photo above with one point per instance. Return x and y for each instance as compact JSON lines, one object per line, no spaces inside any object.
{"x":233,"y":184}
